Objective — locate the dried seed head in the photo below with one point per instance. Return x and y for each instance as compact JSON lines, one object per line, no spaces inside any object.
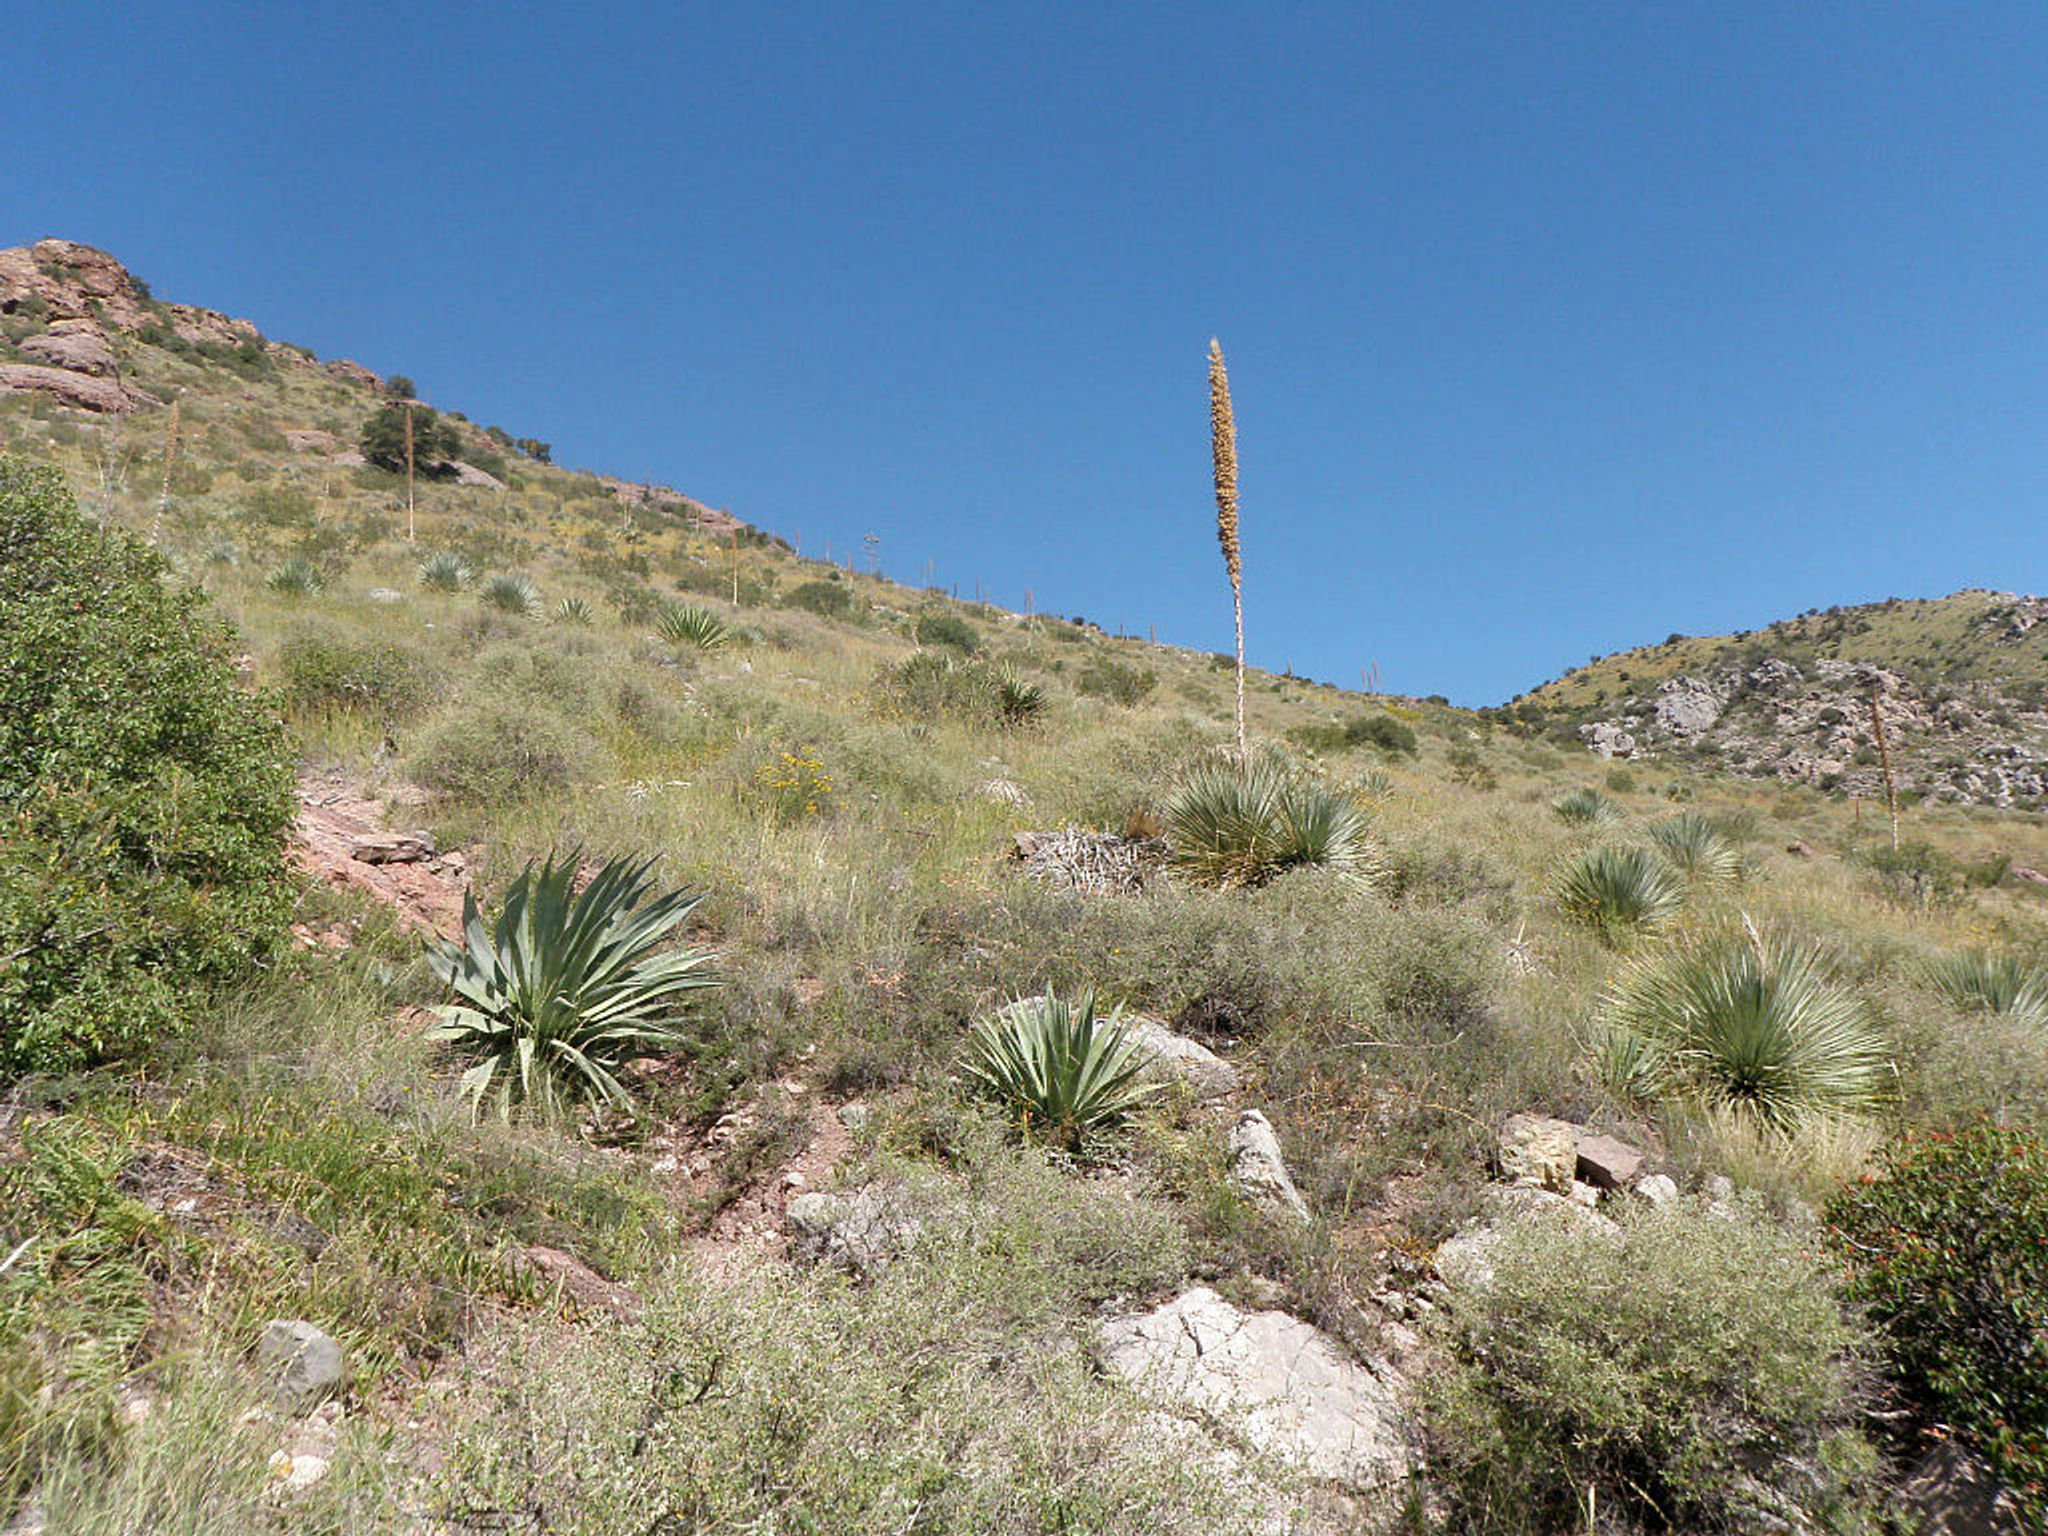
{"x":1223,"y":449}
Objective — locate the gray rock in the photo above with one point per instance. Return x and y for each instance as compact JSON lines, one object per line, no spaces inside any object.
{"x":1259,"y":1170}
{"x":1539,"y":1152}
{"x":1658,"y":1188}
{"x":1177,"y":1058}
{"x":303,"y":1363}
{"x":862,"y":1232}
{"x":385,"y":595}
{"x":1287,"y":1390}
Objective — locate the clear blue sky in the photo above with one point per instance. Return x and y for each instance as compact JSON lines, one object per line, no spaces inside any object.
{"x":1553,"y":328}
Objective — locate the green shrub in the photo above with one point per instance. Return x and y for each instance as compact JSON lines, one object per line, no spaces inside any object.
{"x":1063,"y":1074}
{"x":1240,"y":825}
{"x":434,"y":442}
{"x":1619,"y":891}
{"x":511,"y":593}
{"x":1382,"y":732}
{"x":1693,"y":845}
{"x":144,"y":796}
{"x":935,"y":627}
{"x":827,"y":599}
{"x":1753,"y":1026}
{"x":322,"y":675}
{"x":444,"y":571}
{"x":566,"y":986}
{"x":1687,"y":1372}
{"x":500,"y":750}
{"x":1948,"y":1247}
{"x":1978,"y":982}
{"x":688,"y":624}
{"x":1113,"y":680}
{"x":931,"y":684}
{"x":1585,"y":808}
{"x":1914,"y":874}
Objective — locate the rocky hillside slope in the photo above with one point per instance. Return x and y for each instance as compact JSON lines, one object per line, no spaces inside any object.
{"x":1958,"y":686}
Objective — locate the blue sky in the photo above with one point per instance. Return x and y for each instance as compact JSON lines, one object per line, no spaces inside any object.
{"x":1553,"y":328}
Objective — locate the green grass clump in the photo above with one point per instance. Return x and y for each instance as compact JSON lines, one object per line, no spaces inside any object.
{"x":511,"y":593}
{"x":1585,"y":808}
{"x":1694,"y":846}
{"x":1752,"y":1026}
{"x":1619,"y":891}
{"x":566,"y":986}
{"x":1687,"y":1372}
{"x":688,"y":624}
{"x":1977,"y":982}
{"x":1232,"y":824}
{"x":444,"y":571}
{"x":297,"y":577}
{"x":1064,"y":1074}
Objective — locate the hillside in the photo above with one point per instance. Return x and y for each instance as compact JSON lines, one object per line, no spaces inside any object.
{"x":1400,"y":1219}
{"x":1962,"y":685}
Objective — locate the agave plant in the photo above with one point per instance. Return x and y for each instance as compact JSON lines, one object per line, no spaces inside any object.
{"x":1617,"y":891}
{"x":444,"y":571}
{"x":1064,"y":1072}
{"x":566,"y":985}
{"x":1585,"y":808}
{"x":1747,"y":1025}
{"x":1693,"y":845}
{"x":575,"y":611}
{"x":687,"y":624}
{"x":1977,"y":982}
{"x":1240,"y":824}
{"x":297,"y":577}
{"x":1018,"y":700}
{"x":511,"y":593}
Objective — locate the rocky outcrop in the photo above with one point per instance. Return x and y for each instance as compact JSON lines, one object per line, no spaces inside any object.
{"x":861,"y":1232}
{"x":354,"y":373}
{"x":79,"y":345}
{"x":80,"y":389}
{"x":1538,"y":1152}
{"x":1283,"y":1387}
{"x":69,"y":281}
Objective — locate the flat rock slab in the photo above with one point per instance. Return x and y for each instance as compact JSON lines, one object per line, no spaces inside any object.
{"x":1286,"y":1388}
{"x":1607,"y":1163}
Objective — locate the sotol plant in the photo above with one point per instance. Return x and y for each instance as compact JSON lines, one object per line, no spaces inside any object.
{"x":444,"y":571}
{"x":297,"y":577}
{"x":511,"y":593}
{"x":1619,"y":891}
{"x":687,"y":624}
{"x":1746,"y":1024}
{"x":1983,"y":983}
{"x":1585,"y":808}
{"x":1240,"y":824}
{"x":1696,"y":848}
{"x":574,"y":611}
{"x":1064,"y":1072}
{"x":566,"y":985}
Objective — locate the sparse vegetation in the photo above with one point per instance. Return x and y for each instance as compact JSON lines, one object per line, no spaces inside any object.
{"x":444,"y":571}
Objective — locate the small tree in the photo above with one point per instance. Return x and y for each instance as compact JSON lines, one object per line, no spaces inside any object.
{"x":434,"y":442}
{"x":399,"y":387}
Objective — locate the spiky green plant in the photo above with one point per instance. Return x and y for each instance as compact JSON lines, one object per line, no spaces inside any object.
{"x":1619,"y":891}
{"x":574,"y":611}
{"x":511,"y":593}
{"x":1063,"y":1072}
{"x":1018,"y":700}
{"x":1585,"y":808}
{"x":444,"y":571}
{"x":1977,"y":982}
{"x":687,"y":624}
{"x":1240,"y":824}
{"x":566,"y":985}
{"x":1746,"y":1024}
{"x":297,"y":577}
{"x":1694,"y":846}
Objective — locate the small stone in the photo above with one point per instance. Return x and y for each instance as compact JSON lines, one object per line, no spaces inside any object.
{"x":305,"y":1364}
{"x":1539,"y":1152}
{"x":296,"y":1473}
{"x":1585,"y":1196}
{"x":1799,"y":850}
{"x":1720,"y":1187}
{"x":383,"y":595}
{"x":1607,"y":1162}
{"x":1658,"y":1188}
{"x":1259,"y":1170}
{"x":855,"y":1117}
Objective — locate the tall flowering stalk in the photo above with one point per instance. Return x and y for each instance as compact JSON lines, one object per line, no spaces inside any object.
{"x":1223,"y":450}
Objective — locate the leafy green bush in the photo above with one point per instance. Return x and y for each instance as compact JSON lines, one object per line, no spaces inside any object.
{"x":1585,"y":808}
{"x":929,"y":684}
{"x":500,"y":750}
{"x":1113,"y":680}
{"x":935,"y":627}
{"x":1382,"y":732}
{"x":1753,"y":1026}
{"x":827,"y":599}
{"x":1914,"y":874}
{"x":1687,"y":1372}
{"x":324,"y":675}
{"x":567,"y":985}
{"x":1978,"y":982}
{"x":144,"y":796}
{"x":434,"y":442}
{"x":1619,"y":891}
{"x":1233,"y":824}
{"x":1693,"y":845}
{"x":688,"y":624}
{"x":511,"y":593}
{"x":1062,"y":1073}
{"x":1948,"y":1247}
{"x":444,"y":571}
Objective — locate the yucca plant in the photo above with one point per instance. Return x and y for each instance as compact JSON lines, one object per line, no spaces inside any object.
{"x":1223,"y":464}
{"x":1585,"y":808}
{"x":1977,"y":982}
{"x":297,"y":577}
{"x":511,"y":593}
{"x":574,"y":611}
{"x":687,"y":624}
{"x":566,"y":985}
{"x":1065,"y":1073}
{"x":1618,"y":891}
{"x":1743,"y":1024}
{"x":1018,"y":700}
{"x":1695,"y":847}
{"x":1240,"y":824}
{"x":444,"y":571}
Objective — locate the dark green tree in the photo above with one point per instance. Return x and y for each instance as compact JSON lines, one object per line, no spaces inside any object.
{"x":144,"y":793}
{"x":434,"y":442}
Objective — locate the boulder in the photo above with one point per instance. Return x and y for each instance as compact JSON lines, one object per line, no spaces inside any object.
{"x":1288,"y":1390}
{"x":303,"y":1364}
{"x":79,"y":389}
{"x":312,"y":440}
{"x":1258,"y":1169}
{"x":354,"y":373}
{"x":391,"y":848}
{"x":79,"y":345}
{"x":1607,"y":1163}
{"x":862,"y":1232}
{"x":1176,"y":1058}
{"x":1538,"y":1151}
{"x":1658,"y":1189}
{"x":469,"y":474}
{"x":1953,"y":1494}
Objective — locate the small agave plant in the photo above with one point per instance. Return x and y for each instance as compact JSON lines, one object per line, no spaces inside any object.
{"x":444,"y":571}
{"x":511,"y":593}
{"x":297,"y":577}
{"x":687,"y":624}
{"x":574,"y":611}
{"x":1064,"y":1073}
{"x":566,"y":986}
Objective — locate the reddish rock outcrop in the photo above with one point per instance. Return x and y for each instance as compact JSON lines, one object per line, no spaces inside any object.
{"x":79,"y":389}
{"x":354,"y":373}
{"x":79,"y":345}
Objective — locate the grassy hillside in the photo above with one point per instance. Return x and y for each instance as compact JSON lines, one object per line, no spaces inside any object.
{"x":593,"y":1322}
